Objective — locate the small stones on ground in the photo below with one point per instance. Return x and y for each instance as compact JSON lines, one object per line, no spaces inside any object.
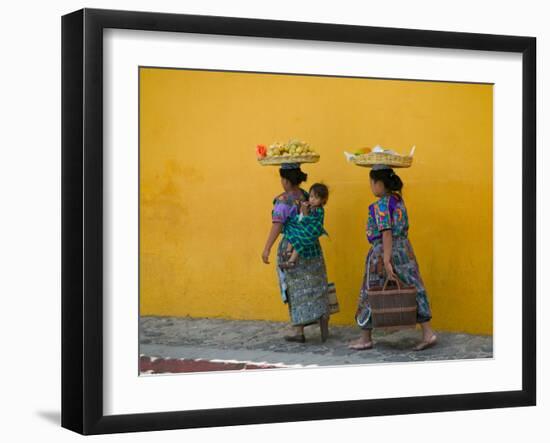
{"x":262,"y":341}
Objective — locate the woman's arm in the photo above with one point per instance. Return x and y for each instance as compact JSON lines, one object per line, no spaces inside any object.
{"x":276,"y":229}
{"x":387,"y":244}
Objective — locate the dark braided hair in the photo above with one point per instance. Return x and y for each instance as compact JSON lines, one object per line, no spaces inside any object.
{"x":391,"y":180}
{"x":294,"y":176}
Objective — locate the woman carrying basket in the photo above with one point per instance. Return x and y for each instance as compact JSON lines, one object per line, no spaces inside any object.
{"x":391,"y":256}
{"x":303,"y":286}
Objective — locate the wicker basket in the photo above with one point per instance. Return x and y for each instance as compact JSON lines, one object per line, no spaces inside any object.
{"x":333,"y":304}
{"x":393,"y":308}
{"x":382,"y":158}
{"x":280,"y":159}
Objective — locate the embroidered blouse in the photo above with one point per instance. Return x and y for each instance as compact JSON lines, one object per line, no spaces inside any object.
{"x":287,"y":204}
{"x":389,"y":212}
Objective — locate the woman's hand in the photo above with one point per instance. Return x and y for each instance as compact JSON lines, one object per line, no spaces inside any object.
{"x":389,"y":271}
{"x":265,"y":256}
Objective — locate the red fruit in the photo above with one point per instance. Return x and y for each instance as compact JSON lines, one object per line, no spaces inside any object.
{"x":261,"y":151}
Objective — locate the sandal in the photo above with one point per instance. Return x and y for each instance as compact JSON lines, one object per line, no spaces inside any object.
{"x":426,"y":344}
{"x":361,"y":346}
{"x":298,"y":338}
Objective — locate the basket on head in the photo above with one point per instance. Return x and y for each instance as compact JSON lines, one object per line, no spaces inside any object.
{"x":379,"y":156}
{"x":276,"y":161}
{"x":294,"y":151}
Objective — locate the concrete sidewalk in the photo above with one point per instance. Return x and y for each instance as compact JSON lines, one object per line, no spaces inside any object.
{"x":259,"y":344}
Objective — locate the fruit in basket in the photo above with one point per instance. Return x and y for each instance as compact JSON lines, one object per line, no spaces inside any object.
{"x":362,"y":151}
{"x":292,"y":148}
{"x":261,"y":151}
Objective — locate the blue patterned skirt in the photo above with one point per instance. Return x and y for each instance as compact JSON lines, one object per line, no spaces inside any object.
{"x":304,"y":287}
{"x":405,"y":266}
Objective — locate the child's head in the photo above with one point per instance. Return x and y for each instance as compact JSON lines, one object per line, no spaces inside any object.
{"x":318,"y":194}
{"x":383,"y":181}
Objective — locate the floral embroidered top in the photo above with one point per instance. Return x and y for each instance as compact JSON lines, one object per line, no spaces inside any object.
{"x":286,"y":205}
{"x":388,"y":212}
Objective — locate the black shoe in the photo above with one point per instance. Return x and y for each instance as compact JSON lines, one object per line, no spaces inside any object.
{"x":323,"y":324}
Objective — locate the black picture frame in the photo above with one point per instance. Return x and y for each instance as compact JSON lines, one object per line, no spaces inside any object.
{"x":82,"y":218}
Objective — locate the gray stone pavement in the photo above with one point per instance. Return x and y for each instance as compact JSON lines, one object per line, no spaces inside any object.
{"x":262,"y":342}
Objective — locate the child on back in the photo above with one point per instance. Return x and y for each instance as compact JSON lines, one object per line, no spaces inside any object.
{"x":303,"y":230}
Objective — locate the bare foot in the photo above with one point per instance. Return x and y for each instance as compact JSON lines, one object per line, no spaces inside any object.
{"x":360,"y":344}
{"x":426,"y":343}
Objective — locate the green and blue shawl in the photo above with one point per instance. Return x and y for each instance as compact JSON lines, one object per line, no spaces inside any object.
{"x":303,"y":232}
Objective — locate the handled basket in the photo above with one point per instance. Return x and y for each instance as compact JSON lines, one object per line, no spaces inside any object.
{"x":393,"y":307}
{"x":333,"y":304}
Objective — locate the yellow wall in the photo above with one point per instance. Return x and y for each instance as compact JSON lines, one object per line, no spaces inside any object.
{"x":206,"y":203}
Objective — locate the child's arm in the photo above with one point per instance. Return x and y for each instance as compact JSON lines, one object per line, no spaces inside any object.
{"x":304,"y":209}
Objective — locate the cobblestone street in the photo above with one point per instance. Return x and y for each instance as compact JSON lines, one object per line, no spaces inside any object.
{"x":183,"y":344}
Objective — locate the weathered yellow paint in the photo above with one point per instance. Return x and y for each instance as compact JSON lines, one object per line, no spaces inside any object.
{"x":206,"y":203}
